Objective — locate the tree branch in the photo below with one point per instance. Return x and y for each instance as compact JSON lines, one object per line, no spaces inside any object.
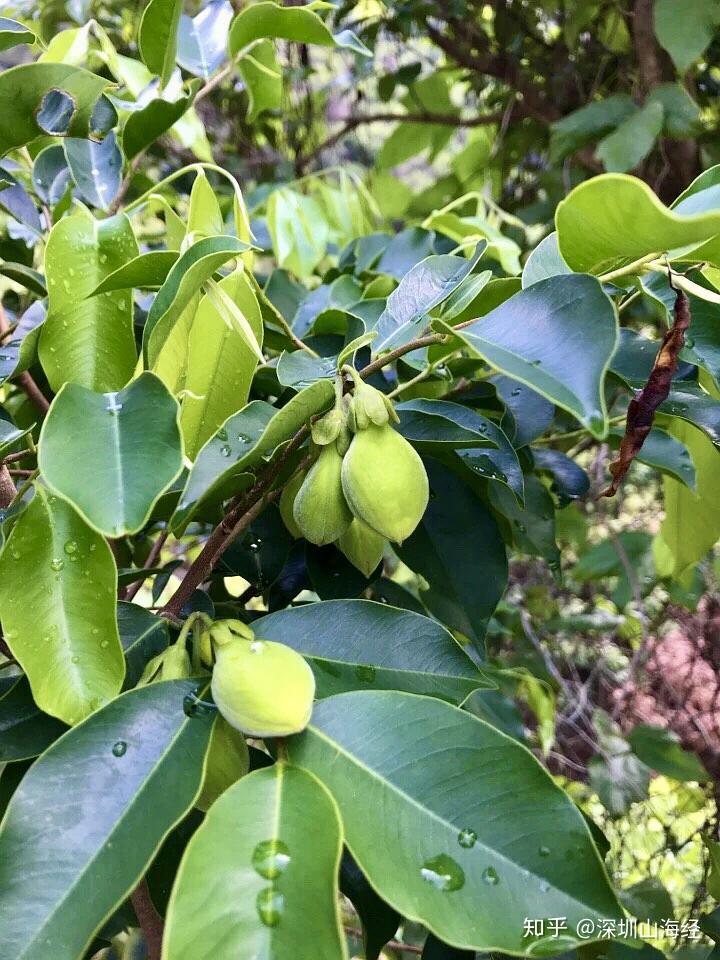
{"x":149,"y":919}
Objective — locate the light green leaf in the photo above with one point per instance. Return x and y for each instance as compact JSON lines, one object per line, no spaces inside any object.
{"x":592,"y":224}
{"x":157,"y":37}
{"x":556,"y":336}
{"x":298,"y":229}
{"x":265,"y":19}
{"x":57,"y":604}
{"x":259,"y":878}
{"x":378,"y":646}
{"x":633,"y":139}
{"x":88,"y":341}
{"x":469,"y":817}
{"x":129,"y":444}
{"x":585,"y":125}
{"x":713,"y":881}
{"x":220,"y":364}
{"x":196,"y":265}
{"x":544,"y":261}
{"x":143,"y":127}
{"x":242,"y":442}
{"x":90,"y":815}
{"x":660,"y":749}
{"x":262,"y":76}
{"x":686,"y":32}
{"x":692,"y":519}
{"x":202,"y":40}
{"x":42,"y":98}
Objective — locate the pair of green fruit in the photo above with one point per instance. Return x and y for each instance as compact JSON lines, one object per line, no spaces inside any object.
{"x":368,"y":485}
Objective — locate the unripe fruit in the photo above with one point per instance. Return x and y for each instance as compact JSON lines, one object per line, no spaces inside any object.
{"x":227,"y":760}
{"x":172,"y":664}
{"x":320,"y":510}
{"x":362,"y":546}
{"x":287,"y":503}
{"x":262,"y":688}
{"x":384,"y":482}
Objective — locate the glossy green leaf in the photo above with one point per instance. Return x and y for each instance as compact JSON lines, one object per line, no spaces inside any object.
{"x":458,"y":549}
{"x":692,"y":519}
{"x":25,"y":731}
{"x":57,"y":605}
{"x":592,"y":221}
{"x":129,"y":458}
{"x":557,"y":337}
{"x":241,"y":444}
{"x":685,"y":33}
{"x":591,"y":121}
{"x":143,"y":635}
{"x":49,"y":85}
{"x":88,"y":340}
{"x":12,"y":33}
{"x":262,"y":76}
{"x":157,"y":37}
{"x":196,"y":265}
{"x":144,"y":127}
{"x":664,"y":453}
{"x":50,"y":174}
{"x":19,"y":352}
{"x":124,"y":777}
{"x":301,"y":24}
{"x":376,"y":646}
{"x":469,"y":817}
{"x":147,"y":271}
{"x":689,"y":402}
{"x":660,"y":749}
{"x":544,"y":261}
{"x":298,"y":229}
{"x":220,"y":363}
{"x":96,"y":169}
{"x":259,"y":878}
{"x":31,"y":279}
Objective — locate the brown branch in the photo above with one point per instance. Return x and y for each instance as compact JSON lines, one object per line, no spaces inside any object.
{"x":20,"y":455}
{"x":645,"y":46}
{"x":24,"y":380}
{"x":7,"y":488}
{"x":440,"y":119}
{"x":149,"y":919}
{"x":133,"y":589}
{"x":641,"y":409}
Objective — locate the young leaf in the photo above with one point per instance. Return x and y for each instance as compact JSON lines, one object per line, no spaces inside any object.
{"x":129,"y":444}
{"x":221,"y":362}
{"x":90,"y":815}
{"x":259,"y":877}
{"x":301,"y":24}
{"x":499,"y":833}
{"x":87,"y":339}
{"x":202,"y":40}
{"x":57,"y":604}
{"x":379,"y":647}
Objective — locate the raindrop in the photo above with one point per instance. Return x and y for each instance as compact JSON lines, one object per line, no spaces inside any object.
{"x":270,"y":906}
{"x":222,"y":434}
{"x":104,"y":644}
{"x":490,"y":876}
{"x":443,"y":873}
{"x":119,"y":748}
{"x":467,"y":838}
{"x":71,"y":548}
{"x":254,"y":545}
{"x":57,"y":563}
{"x":225,"y":450}
{"x":516,"y":392}
{"x":521,"y":526}
{"x":544,"y":851}
{"x":244,"y":438}
{"x":75,"y":659}
{"x":270,"y":858}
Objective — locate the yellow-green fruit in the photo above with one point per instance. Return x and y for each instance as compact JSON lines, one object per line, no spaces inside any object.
{"x":227,"y":760}
{"x":384,"y":482}
{"x":320,"y":510}
{"x":362,"y":546}
{"x":262,"y":688}
{"x":287,"y":502}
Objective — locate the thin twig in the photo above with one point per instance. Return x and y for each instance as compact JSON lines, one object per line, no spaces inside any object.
{"x":134,"y":588}
{"x":20,"y":455}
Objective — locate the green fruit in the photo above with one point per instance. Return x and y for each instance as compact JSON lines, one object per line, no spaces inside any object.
{"x":287,"y":503}
{"x":320,"y":510}
{"x":384,"y":482}
{"x":172,"y":664}
{"x":227,"y":760}
{"x":362,"y":546}
{"x":262,"y":688}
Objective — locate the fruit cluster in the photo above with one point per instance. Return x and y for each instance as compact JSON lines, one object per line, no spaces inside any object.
{"x":367,"y":485}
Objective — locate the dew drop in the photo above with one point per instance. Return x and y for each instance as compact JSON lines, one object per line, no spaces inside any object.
{"x":222,"y":434}
{"x":119,"y":748}
{"x":443,"y":873}
{"x":57,"y":563}
{"x":544,"y":851}
{"x":270,"y":905}
{"x":75,"y":659}
{"x":467,"y":838}
{"x":270,"y":858}
{"x":225,"y":450}
{"x":490,"y":876}
{"x":70,"y":548}
{"x":243,"y":438}
{"x":104,"y":644}
{"x":516,"y":392}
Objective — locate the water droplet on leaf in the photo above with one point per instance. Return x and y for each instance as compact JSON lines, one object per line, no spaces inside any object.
{"x":270,"y":905}
{"x":119,"y":748}
{"x":270,"y":858}
{"x":490,"y":876}
{"x":467,"y":838}
{"x":443,"y":873}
